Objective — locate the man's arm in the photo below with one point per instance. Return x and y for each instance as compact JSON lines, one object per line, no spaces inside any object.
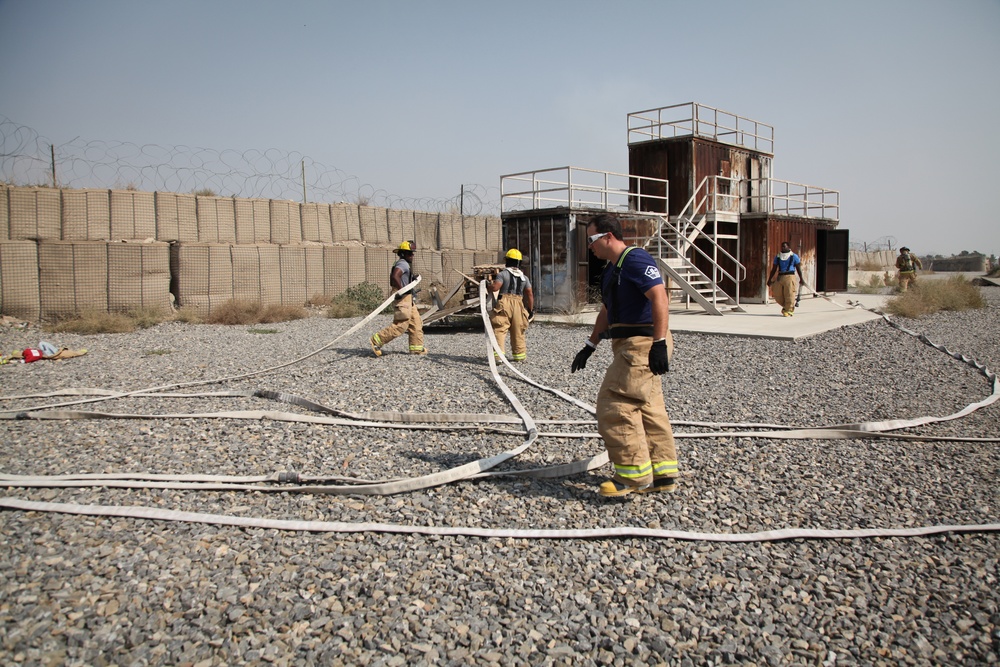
{"x":774,"y":269}
{"x":657,"y":295}
{"x":600,"y":325}
{"x":529,"y":299}
{"x":396,"y":279}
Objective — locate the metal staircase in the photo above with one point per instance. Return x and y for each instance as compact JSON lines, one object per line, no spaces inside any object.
{"x":678,"y":244}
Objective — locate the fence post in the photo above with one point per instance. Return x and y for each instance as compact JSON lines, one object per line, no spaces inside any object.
{"x":304,"y":181}
{"x":52,"y":149}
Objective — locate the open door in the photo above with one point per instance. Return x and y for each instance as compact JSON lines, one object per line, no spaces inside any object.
{"x":832,"y":247}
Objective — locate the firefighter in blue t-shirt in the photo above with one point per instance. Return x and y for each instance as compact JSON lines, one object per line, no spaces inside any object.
{"x":631,"y":415}
{"x":786,"y":264}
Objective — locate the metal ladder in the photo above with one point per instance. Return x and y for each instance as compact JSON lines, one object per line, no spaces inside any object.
{"x":674,"y":246}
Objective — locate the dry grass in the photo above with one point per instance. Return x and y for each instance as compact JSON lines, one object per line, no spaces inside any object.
{"x":875,"y":284}
{"x":91,"y":322}
{"x":188,"y":315}
{"x":250,"y":312}
{"x":870,"y":265}
{"x":930,"y":296}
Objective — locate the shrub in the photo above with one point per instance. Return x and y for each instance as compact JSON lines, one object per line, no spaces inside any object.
{"x":357,"y":300}
{"x":930,"y":296}
{"x":341,"y":306}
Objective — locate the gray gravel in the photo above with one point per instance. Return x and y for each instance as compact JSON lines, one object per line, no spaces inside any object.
{"x":99,"y":591}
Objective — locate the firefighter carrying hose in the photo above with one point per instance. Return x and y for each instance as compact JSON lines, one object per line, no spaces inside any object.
{"x":405,"y":316}
{"x":515,"y":305}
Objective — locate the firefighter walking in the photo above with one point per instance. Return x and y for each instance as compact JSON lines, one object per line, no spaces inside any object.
{"x":631,"y":414}
{"x":514,"y":307}
{"x":907,"y":263}
{"x":405,"y":316}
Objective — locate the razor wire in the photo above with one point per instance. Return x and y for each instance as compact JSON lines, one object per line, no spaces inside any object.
{"x":27,"y":158}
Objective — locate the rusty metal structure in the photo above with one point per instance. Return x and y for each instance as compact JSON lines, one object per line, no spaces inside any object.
{"x":699,"y":196}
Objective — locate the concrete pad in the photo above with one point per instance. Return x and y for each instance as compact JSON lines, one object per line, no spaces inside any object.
{"x":814,"y":315}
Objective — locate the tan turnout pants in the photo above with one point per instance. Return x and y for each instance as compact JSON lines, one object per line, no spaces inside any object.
{"x":632,"y":417}
{"x":405,"y":317}
{"x":785,"y":291}
{"x":510,"y":314}
{"x":907,"y":278}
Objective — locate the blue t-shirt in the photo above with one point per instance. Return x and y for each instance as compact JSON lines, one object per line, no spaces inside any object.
{"x":639,"y":273}
{"x":787,"y":265}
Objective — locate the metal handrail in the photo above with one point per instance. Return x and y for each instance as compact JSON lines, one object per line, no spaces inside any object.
{"x":790,"y":198}
{"x":687,"y":232}
{"x":691,"y":118}
{"x":576,"y":187}
{"x":687,"y":216}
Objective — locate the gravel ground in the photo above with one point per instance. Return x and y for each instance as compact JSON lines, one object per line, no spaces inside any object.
{"x":83,"y":590}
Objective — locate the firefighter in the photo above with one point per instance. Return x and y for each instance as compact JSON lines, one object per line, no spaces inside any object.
{"x":405,"y":316}
{"x":907,"y":263}
{"x":631,"y":415}
{"x":786,"y":264}
{"x":514,"y":307}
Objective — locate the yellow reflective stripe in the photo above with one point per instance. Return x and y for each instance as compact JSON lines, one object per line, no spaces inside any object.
{"x":632,"y":472}
{"x":664,"y":468}
{"x":519,"y":357}
{"x":378,"y":341}
{"x":416,"y":348}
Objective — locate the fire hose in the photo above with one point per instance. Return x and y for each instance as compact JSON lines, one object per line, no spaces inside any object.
{"x":291,"y":481}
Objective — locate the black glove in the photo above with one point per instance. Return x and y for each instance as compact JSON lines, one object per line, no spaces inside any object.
{"x":658,"y":361}
{"x":531,"y":314}
{"x":580,"y":360}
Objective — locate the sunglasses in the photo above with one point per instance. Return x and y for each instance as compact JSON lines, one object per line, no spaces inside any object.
{"x":592,"y":239}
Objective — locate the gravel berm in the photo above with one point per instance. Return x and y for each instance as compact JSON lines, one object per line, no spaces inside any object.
{"x":81,"y":590}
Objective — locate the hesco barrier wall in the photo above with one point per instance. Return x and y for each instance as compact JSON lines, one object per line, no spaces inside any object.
{"x":66,"y":251}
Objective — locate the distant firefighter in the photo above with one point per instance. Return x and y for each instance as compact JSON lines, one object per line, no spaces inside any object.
{"x":907,"y":263}
{"x":515,"y":306}
{"x":786,"y":264}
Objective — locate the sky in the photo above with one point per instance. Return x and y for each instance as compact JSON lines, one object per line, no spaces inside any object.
{"x":893,"y":103}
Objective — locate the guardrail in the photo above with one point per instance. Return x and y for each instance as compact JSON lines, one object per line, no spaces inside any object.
{"x":575,"y":187}
{"x":790,"y":198}
{"x":691,"y":118}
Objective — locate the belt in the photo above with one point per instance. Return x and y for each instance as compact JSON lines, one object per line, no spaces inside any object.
{"x":630,"y":330}
{"x":786,"y":273}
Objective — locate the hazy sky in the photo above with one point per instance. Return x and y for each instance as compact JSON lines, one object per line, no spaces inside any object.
{"x":895,"y":103}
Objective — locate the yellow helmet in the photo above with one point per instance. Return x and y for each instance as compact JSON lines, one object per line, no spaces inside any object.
{"x":513,"y":253}
{"x":408,"y":246}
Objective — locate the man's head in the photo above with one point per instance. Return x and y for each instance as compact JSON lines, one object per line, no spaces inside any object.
{"x":405,"y":249}
{"x":604,"y":236}
{"x":786,"y":246}
{"x":513,"y":257}
{"x":904,"y":249}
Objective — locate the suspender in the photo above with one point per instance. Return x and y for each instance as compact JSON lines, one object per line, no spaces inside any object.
{"x":516,"y":284}
{"x":616,"y":281}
